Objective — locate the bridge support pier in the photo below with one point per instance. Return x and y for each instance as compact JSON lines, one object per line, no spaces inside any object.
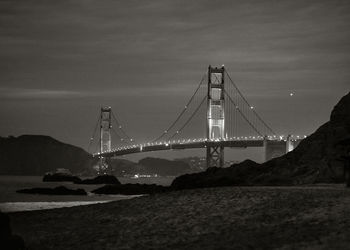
{"x":105,"y":137}
{"x":215,"y":156}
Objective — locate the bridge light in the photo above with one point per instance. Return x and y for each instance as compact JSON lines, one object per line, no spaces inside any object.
{"x":177,"y":132}
{"x":186,"y":107}
{"x":166,"y":131}
{"x":251,"y":107}
{"x":120,"y":126}
{"x":131,"y":139}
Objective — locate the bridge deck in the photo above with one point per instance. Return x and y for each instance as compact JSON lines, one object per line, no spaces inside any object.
{"x":185,"y":145}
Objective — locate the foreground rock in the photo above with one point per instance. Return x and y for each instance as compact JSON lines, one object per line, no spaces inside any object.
{"x":102,"y":179}
{"x":214,"y":177}
{"x":61,"y":190}
{"x":131,"y":189}
{"x":59,"y":177}
{"x":318,"y":159}
{"x":7,"y":239}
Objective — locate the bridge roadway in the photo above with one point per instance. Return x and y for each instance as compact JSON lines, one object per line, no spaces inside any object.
{"x":182,"y":145}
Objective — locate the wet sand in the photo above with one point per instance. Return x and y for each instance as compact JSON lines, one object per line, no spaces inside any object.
{"x":309,"y":217}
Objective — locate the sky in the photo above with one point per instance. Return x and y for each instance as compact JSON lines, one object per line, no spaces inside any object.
{"x":60,"y":61}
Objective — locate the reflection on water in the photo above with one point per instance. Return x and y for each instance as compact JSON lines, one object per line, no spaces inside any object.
{"x":12,"y":201}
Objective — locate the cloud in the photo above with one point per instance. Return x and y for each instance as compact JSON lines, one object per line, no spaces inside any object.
{"x":23,"y":93}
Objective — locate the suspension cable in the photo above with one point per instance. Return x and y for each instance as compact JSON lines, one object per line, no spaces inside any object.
{"x":242,"y":114}
{"x":120,"y":127}
{"x":93,"y":134}
{"x":182,"y":112}
{"x":245,"y":100}
{"x":189,"y":119}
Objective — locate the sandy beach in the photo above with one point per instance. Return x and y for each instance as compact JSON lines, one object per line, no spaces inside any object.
{"x":310,"y":217}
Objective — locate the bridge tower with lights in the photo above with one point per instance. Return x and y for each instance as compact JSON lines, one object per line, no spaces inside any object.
{"x":215,"y":116}
{"x":105,"y":137}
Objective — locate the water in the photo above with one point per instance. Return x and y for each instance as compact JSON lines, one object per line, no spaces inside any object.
{"x":10,"y":201}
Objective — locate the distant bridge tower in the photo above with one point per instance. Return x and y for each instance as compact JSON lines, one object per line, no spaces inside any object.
{"x":215,"y":116}
{"x":105,"y":136}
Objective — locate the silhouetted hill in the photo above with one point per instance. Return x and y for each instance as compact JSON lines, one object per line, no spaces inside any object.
{"x":318,"y":158}
{"x":164,"y":167}
{"x":123,"y":167}
{"x":149,"y":166}
{"x":38,"y":154}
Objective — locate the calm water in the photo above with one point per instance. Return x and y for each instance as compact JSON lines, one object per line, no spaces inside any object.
{"x":12,"y":201}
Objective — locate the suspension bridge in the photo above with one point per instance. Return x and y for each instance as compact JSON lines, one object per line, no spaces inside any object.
{"x":216,"y":116}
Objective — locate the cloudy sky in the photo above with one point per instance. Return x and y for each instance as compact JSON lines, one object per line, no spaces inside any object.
{"x":61,"y":60}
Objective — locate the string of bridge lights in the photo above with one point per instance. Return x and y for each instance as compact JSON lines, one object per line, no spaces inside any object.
{"x":199,"y":140}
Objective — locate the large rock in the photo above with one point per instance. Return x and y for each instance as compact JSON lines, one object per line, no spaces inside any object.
{"x":238,"y":174}
{"x":61,"y":190}
{"x":318,"y":158}
{"x":101,"y":179}
{"x":7,"y":239}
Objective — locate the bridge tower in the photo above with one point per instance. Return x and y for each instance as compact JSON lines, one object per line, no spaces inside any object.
{"x":105,"y":136}
{"x":215,"y":116}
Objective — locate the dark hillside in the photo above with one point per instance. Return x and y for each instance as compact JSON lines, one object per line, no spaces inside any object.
{"x":38,"y":154}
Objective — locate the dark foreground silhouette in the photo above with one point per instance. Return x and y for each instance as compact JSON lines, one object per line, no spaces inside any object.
{"x":9,"y":241}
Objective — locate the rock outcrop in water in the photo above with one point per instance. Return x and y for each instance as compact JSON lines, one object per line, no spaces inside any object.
{"x":61,"y":190}
{"x":38,"y":154}
{"x":318,"y":159}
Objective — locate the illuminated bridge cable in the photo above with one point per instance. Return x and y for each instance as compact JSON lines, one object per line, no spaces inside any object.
{"x":245,"y":100}
{"x":94,"y":133}
{"x":189,"y":119}
{"x":182,"y":112}
{"x":125,"y":135}
{"x":242,"y":114}
{"x":120,"y":138}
